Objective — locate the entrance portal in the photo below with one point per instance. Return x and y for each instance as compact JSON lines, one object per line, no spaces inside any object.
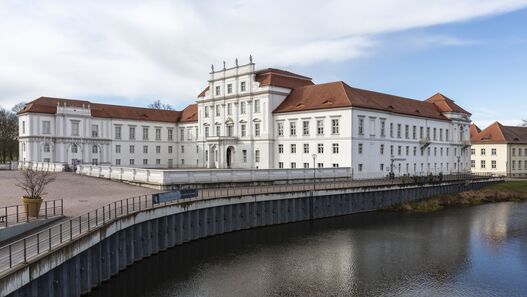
{"x":229,"y":156}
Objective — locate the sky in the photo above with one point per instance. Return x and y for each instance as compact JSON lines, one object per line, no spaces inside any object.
{"x":134,"y":52}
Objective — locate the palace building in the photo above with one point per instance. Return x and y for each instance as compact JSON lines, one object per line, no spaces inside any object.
{"x":249,"y":118}
{"x":499,"y":149}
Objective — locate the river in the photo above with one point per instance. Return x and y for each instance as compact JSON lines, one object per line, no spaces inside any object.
{"x":473,"y":251}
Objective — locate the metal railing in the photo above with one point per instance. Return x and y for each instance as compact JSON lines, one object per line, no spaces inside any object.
{"x":25,"y":249}
{"x":16,"y":214}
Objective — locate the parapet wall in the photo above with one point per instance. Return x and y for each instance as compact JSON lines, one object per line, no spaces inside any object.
{"x":76,"y":268}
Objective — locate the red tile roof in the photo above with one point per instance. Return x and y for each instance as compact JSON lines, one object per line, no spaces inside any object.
{"x":281,"y":78}
{"x":499,"y":134}
{"x":445,"y":104}
{"x":189,"y":114}
{"x":202,"y":94}
{"x":49,"y":105}
{"x":339,"y":94}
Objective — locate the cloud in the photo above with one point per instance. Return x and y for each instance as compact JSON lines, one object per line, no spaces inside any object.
{"x":141,"y":50}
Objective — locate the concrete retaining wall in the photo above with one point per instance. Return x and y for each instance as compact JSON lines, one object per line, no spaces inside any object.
{"x":83,"y":264}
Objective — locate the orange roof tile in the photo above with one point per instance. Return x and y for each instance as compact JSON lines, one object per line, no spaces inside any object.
{"x":339,"y":94}
{"x":189,"y":114}
{"x":445,"y":104}
{"x":281,"y":78}
{"x":49,"y":105}
{"x":496,"y":133}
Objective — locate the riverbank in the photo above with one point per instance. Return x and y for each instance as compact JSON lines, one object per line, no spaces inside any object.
{"x":502,"y":192}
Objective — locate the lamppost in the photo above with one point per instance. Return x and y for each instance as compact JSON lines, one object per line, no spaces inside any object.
{"x":314,"y":170}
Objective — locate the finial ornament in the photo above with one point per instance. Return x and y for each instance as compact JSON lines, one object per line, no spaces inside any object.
{"x":224,"y":65}
{"x":212,"y":67}
{"x":236,"y":61}
{"x":251,"y":59}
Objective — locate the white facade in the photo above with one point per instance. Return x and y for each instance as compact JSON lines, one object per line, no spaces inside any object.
{"x":500,"y":159}
{"x":237,"y":128}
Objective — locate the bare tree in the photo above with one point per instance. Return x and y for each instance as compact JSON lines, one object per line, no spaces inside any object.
{"x":18,"y":107}
{"x":160,"y":105}
{"x":8,"y":135}
{"x":524,"y":124}
{"x":34,"y":182}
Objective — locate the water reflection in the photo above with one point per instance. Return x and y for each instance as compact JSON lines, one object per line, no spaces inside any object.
{"x":476,"y":251}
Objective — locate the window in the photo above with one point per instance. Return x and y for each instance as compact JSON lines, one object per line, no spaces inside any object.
{"x":244,"y":130}
{"x":158,"y":133}
{"x":118,"y":149}
{"x":335,"y":148}
{"x":242,"y":108}
{"x":46,"y":127}
{"x":435,"y":134}
{"x":132,"y":161}
{"x":280,"y":129}
{"x":472,"y":152}
{"x":372,"y":126}
{"x":197,"y":149}
{"x":391,"y":130}
{"x":306,"y":165}
{"x":206,"y":111}
{"x":383,"y":128}
{"x":428,"y":132}
{"x":170,"y":150}
{"x":360,"y":148}
{"x":440,"y":134}
{"x":94,"y":130}
{"x":218,"y":90}
{"x":482,"y":164}
{"x":218,"y":130}
{"x":132,"y":133}
{"x":229,"y":130}
{"x":280,"y":164}
{"x":158,"y":149}
{"x":292,"y":128}
{"x":407,"y":150}
{"x":256,"y":106}
{"x":117,"y":132}
{"x":320,"y":148}
{"x":306,"y":148}
{"x":74,"y":148}
{"x":145,"y":161}
{"x":305,"y":127}
{"x":182,"y":161}
{"x":381,"y":167}
{"x":256,"y":129}
{"x":158,"y":161}
{"x":229,"y":108}
{"x":399,"y":150}
{"x":145,"y":133}
{"x":415,"y":151}
{"x":117,"y":161}
{"x":229,"y":88}
{"x":492,"y":152}
{"x":244,"y":154}
{"x":145,"y":149}
{"x":320,"y":127}
{"x":257,"y":156}
{"x":514,"y":152}
{"x":360,"y":167}
{"x":242,"y":86}
{"x":132,"y":149}
{"x":391,"y":150}
{"x":46,"y":148}
{"x":335,"y":165}
{"x":382,"y":149}
{"x":514,"y":164}
{"x":217,"y":110}
{"x":74,"y":128}
{"x":473,"y":163}
{"x":293,"y":164}
{"x":398,"y":130}
{"x":280,"y":148}
{"x":335,"y":126}
{"x":483,"y":152}
{"x":492,"y":164}
{"x":206,"y":131}
{"x":414,"y":132}
{"x":407,"y":131}
{"x":293,"y":148}
{"x":361,"y":126}
{"x":24,"y":127}
{"x":94,"y":161}
{"x":320,"y":165}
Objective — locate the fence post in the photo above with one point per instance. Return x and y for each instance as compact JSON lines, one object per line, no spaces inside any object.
{"x":80,"y":224}
{"x":61,"y":207}
{"x":49,"y":238}
{"x":88,"y":221}
{"x":46,"y":209}
{"x":25,"y":251}
{"x":71,"y":229}
{"x":10,"y":257}
{"x":17,"y":214}
{"x":6,"y":217}
{"x":96,"y":216}
{"x":38,"y":243}
{"x":103,"y":215}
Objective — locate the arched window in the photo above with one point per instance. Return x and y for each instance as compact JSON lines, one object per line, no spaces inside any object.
{"x":46,"y":147}
{"x":95,"y":149}
{"x":74,"y":148}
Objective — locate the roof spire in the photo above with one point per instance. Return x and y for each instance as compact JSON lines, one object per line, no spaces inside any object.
{"x":212,"y":67}
{"x":224,"y":65}
{"x":250,"y":59}
{"x":236,"y":62}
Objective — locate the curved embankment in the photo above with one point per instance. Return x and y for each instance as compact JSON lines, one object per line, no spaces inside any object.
{"x":78,"y":266}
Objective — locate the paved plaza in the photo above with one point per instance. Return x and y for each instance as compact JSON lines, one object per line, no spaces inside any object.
{"x":80,"y":193}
